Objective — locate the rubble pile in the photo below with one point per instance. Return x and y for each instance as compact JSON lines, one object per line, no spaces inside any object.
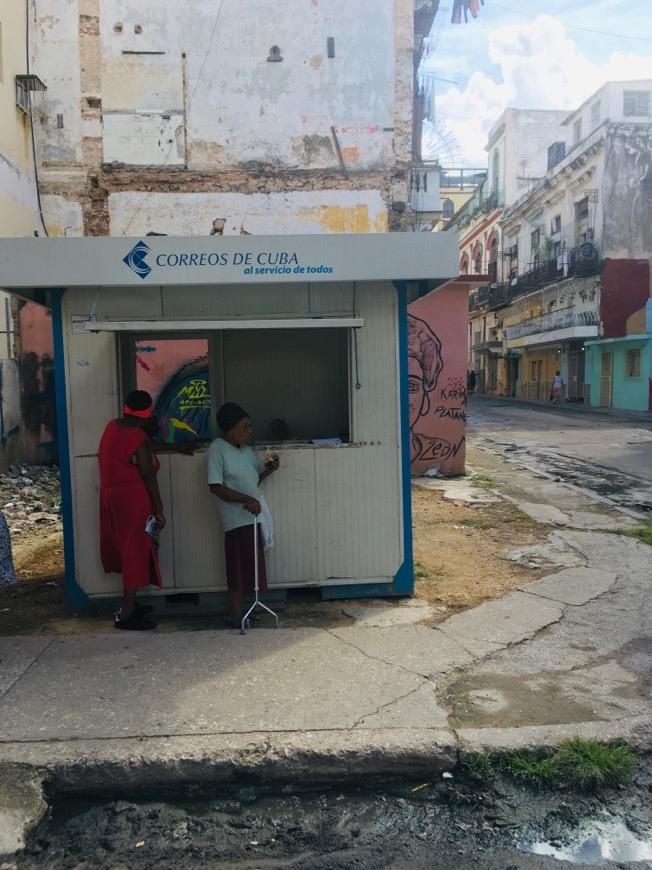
{"x":30,"y":494}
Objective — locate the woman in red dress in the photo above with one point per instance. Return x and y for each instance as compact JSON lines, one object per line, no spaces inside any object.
{"x":129,"y":494}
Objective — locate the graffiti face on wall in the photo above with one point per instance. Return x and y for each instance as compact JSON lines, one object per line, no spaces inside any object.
{"x":429,"y":402}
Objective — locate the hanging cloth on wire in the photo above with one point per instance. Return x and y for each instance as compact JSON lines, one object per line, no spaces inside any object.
{"x":466,"y":6}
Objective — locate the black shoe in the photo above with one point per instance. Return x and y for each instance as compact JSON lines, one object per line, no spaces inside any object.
{"x":134,"y":623}
{"x":142,"y":609}
{"x":236,"y":624}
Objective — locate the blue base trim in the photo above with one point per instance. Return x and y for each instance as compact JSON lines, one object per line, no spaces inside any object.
{"x":361,"y":590}
{"x":75,"y":595}
{"x":404,"y":579}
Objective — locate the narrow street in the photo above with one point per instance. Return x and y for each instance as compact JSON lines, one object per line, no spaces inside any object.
{"x":602,"y":451}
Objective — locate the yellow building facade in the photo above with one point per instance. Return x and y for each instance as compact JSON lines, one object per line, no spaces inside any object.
{"x":17,"y":185}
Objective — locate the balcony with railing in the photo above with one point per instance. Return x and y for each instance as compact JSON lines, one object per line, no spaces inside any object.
{"x":554,"y":321}
{"x":580,"y":262}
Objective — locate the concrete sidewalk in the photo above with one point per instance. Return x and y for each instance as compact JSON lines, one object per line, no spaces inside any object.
{"x":567,"y":654}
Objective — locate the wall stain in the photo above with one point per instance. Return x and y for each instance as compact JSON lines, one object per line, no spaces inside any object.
{"x":340,"y":219}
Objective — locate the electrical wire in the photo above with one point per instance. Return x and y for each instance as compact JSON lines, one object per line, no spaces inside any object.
{"x":31,"y":128}
{"x":358,"y":385}
{"x":571,"y":26}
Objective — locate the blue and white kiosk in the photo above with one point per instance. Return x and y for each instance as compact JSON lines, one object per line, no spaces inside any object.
{"x":309,"y":329}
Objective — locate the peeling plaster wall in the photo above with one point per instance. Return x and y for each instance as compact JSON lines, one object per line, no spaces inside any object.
{"x":243,"y":108}
{"x":54,"y":42}
{"x":155,"y":102}
{"x":298,"y":212}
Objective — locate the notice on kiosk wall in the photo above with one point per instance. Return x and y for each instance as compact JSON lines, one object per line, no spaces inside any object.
{"x":78,"y":321}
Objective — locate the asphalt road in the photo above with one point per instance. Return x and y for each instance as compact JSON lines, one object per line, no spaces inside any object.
{"x":603,"y":450}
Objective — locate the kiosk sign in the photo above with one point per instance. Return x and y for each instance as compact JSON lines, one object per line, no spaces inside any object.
{"x":250,"y":262}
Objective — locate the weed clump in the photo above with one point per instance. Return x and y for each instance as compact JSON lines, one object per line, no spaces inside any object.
{"x":577,"y":763}
{"x":590,"y":765}
{"x":641,"y":533}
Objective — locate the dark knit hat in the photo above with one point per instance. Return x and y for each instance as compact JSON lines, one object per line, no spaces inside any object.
{"x":230,"y":415}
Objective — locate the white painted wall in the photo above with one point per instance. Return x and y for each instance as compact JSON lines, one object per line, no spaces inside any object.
{"x":610,"y":99}
{"x":523,"y":148}
{"x":54,"y":43}
{"x":297,"y":212}
{"x":159,"y":59}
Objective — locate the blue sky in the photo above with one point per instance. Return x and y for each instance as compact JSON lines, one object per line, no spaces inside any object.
{"x":528,"y":54}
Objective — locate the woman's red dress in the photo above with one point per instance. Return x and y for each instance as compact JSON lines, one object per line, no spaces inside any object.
{"x":125,"y":504}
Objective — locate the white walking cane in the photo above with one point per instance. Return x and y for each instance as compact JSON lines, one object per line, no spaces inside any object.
{"x":257,"y":601}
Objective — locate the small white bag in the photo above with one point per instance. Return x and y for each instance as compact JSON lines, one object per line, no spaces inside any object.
{"x":266,"y":524}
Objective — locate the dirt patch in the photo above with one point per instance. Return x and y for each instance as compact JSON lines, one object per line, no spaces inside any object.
{"x":459,"y":551}
{"x":38,"y":552}
{"x":459,"y":563}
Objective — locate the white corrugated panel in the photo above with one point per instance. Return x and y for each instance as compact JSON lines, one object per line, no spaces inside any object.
{"x":290,"y":493}
{"x":236,"y":301}
{"x":194,"y":524}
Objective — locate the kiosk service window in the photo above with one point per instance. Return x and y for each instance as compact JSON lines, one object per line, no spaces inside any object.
{"x":298,"y":376}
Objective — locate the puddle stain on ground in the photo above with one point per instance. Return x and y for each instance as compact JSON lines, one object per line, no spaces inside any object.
{"x":623,"y":489}
{"x":609,"y":840}
{"x":497,"y":701}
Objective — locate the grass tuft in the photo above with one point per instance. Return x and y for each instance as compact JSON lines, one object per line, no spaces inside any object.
{"x":477,"y":523}
{"x":589,"y":765}
{"x":642,"y":533}
{"x":532,"y":769}
{"x":579,"y":764}
{"x":483,"y":481}
{"x":481,"y":766}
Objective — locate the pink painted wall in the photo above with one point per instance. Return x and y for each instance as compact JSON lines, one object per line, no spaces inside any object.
{"x":437,"y":355}
{"x":39,"y":428}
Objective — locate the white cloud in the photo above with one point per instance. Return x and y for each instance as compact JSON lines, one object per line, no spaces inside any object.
{"x":536,"y":66}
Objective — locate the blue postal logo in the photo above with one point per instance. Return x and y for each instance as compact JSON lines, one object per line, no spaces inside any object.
{"x":135,"y":259}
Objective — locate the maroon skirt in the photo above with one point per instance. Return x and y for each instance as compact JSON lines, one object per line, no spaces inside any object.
{"x":239,"y":557}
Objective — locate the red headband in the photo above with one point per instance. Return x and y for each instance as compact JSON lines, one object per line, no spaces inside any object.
{"x":146,"y":412}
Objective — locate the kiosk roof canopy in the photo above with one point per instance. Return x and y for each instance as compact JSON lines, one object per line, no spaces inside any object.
{"x":189,"y":260}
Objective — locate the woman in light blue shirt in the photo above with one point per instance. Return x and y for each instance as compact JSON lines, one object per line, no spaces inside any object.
{"x":234,"y":477}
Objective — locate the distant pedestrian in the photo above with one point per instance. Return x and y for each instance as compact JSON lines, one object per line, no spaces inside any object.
{"x":7,"y":574}
{"x":470,"y":381}
{"x":557,"y":388}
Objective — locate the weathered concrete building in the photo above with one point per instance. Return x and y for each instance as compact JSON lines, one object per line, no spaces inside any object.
{"x":220,"y":119}
{"x":516,"y":148}
{"x":580,"y":301}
